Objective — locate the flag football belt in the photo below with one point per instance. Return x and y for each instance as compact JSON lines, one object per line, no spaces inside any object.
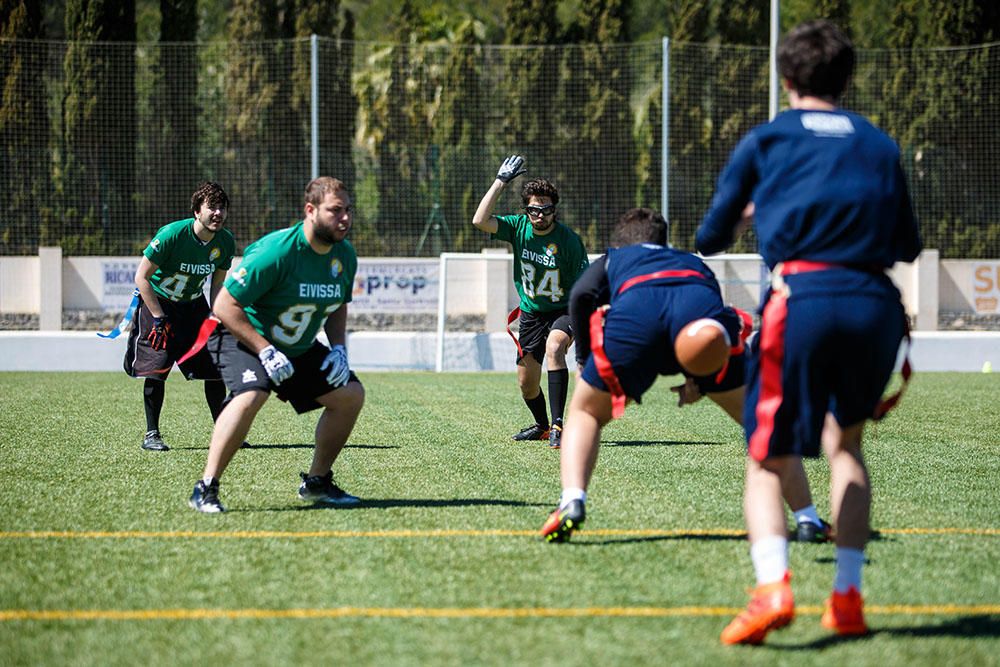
{"x":601,"y":362}
{"x":780,"y":292}
{"x":126,"y":322}
{"x":511,"y":316}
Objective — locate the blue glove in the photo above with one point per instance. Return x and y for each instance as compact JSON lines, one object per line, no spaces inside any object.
{"x":511,"y":168}
{"x":336,"y":361}
{"x":277,"y":365}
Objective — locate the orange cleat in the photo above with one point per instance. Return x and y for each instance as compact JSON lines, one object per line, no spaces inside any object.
{"x":845,"y":613}
{"x":771,"y":607}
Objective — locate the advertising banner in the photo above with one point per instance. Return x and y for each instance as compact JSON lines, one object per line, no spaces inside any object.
{"x":986,"y":288}
{"x":392,"y":285}
{"x":118,"y":282}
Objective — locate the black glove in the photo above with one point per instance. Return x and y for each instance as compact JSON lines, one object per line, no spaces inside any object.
{"x":511,"y":168}
{"x":159,"y":334}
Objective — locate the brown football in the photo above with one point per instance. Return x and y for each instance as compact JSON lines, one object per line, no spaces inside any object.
{"x":702,"y":347}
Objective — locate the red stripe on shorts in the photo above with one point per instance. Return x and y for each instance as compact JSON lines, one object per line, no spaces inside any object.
{"x":772,"y":356}
{"x":603,"y":364}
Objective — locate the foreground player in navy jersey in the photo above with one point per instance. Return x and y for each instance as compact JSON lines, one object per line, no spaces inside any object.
{"x":832,"y":212}
{"x":636,"y":345}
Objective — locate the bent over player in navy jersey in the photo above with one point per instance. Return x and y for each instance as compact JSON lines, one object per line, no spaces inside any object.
{"x":636,"y":344}
{"x":832,"y":212}
{"x":657,"y":297}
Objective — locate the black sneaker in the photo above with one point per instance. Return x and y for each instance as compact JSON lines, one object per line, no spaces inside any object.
{"x":322,"y":489}
{"x":154,"y":442}
{"x":561,"y":523}
{"x":205,"y":497}
{"x":555,"y":434}
{"x":807,"y":531}
{"x":533,"y":432}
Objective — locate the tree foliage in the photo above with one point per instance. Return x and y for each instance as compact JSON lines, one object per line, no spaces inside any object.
{"x":97,"y":173}
{"x":24,"y":126}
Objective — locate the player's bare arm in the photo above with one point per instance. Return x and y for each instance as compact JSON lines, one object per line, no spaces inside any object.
{"x":142,"y":275}
{"x":234,"y":318}
{"x":218,"y":278}
{"x":336,"y":326}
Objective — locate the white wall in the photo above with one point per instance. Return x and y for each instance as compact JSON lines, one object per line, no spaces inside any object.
{"x":401,"y":351}
{"x":927,"y":286}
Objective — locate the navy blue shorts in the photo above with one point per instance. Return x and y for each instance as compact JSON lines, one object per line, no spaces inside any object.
{"x":639,"y":330}
{"x":829,"y":351}
{"x":242,"y":372}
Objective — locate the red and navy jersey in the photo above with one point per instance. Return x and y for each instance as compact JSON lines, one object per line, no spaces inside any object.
{"x":629,"y":270}
{"x":827,"y":186}
{"x":651,"y":264}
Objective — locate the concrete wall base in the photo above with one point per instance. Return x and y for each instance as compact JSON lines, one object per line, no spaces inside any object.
{"x":414,"y":351}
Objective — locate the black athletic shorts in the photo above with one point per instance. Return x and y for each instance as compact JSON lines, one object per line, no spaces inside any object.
{"x":242,"y":371}
{"x":534,"y":329}
{"x":186,"y":317}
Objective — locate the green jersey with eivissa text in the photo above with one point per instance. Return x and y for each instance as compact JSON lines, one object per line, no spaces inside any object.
{"x":545,"y":267}
{"x":184,"y":262}
{"x":288,"y":290}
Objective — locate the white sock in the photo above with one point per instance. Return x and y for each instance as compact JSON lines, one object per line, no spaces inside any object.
{"x":571,"y":494}
{"x":849,"y":562}
{"x":207,"y":480}
{"x":770,"y":559}
{"x":807,"y":513}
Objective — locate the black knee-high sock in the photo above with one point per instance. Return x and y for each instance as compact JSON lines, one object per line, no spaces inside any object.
{"x":152,"y":401}
{"x":215,"y":394}
{"x":537,"y":407}
{"x":558,"y":384}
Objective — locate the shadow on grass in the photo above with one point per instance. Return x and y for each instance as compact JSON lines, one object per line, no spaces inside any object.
{"x":386,"y":503}
{"x":656,"y":443}
{"x":282,"y":445}
{"x":659,"y":538}
{"x":971,"y":626}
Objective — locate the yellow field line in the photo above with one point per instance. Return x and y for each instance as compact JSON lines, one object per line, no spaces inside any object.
{"x":446,"y":612}
{"x":284,"y":534}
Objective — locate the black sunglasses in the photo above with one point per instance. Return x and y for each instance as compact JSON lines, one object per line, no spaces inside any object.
{"x":540,"y":210}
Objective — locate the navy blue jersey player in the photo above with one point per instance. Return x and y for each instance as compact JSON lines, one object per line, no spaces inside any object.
{"x":656,"y":296}
{"x":832,"y":212}
{"x":666,"y":316}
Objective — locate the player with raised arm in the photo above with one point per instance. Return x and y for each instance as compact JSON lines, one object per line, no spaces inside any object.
{"x":172,"y":306}
{"x":290,"y":283}
{"x":548,"y":258}
{"x":832,"y":213}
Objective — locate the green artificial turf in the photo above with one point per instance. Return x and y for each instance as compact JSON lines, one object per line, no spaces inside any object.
{"x":274,"y":581}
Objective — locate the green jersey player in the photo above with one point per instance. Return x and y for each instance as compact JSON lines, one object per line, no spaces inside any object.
{"x":290,"y":284}
{"x":171,"y":281}
{"x":548,"y":258}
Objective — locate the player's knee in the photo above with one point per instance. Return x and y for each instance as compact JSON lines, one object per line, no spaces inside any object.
{"x":555,"y":347}
{"x":351,"y":396}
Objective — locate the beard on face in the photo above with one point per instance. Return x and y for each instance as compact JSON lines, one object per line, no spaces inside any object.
{"x":327,"y":235}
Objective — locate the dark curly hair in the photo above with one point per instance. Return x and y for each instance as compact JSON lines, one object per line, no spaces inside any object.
{"x":817,"y":59}
{"x":539,"y":187}
{"x":211,"y":193}
{"x":639,"y":225}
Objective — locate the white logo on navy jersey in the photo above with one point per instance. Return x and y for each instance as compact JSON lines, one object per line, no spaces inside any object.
{"x":828,"y":124}
{"x":249,"y":376}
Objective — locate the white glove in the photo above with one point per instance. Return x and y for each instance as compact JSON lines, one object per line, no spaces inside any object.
{"x":277,"y":365}
{"x":336,"y":361}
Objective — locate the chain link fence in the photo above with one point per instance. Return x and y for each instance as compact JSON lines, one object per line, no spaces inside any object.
{"x":104,"y":142}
